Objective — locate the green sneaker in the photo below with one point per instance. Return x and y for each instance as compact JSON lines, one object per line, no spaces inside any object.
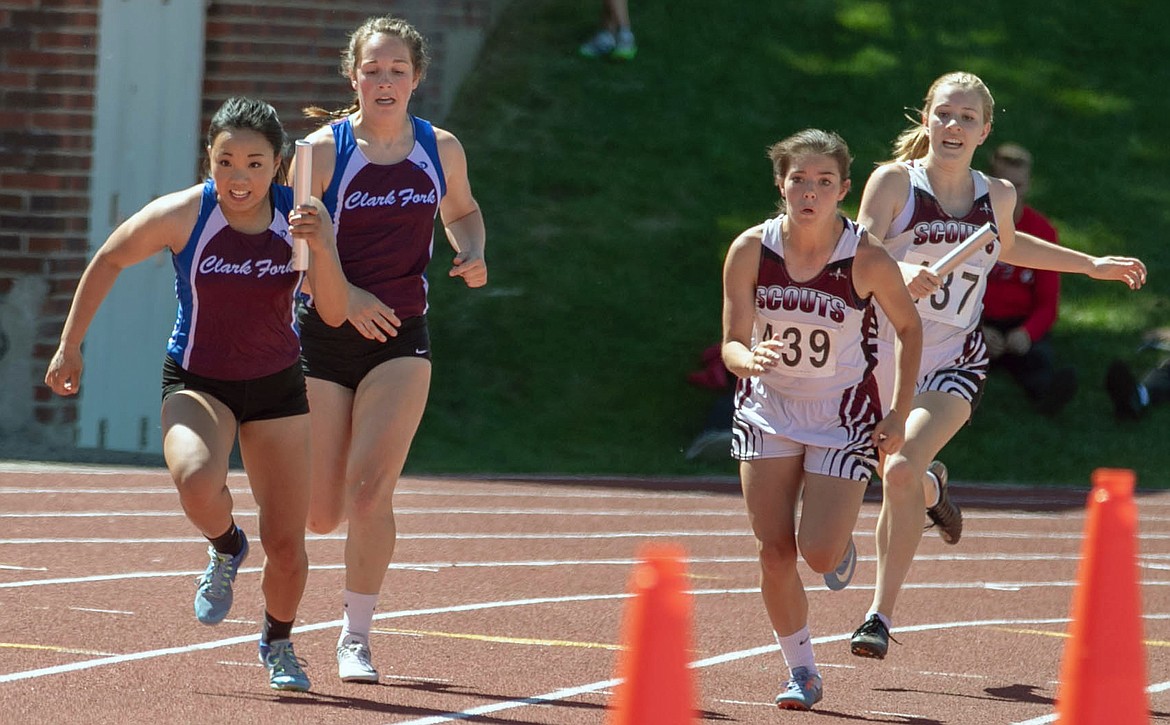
{"x":624,"y":46}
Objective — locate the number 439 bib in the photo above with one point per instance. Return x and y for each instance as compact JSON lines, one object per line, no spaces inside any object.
{"x":809,"y":350}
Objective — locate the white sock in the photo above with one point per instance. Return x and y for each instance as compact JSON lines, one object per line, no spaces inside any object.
{"x":358,"y":614}
{"x":797,"y":649}
{"x":885,"y":620}
{"x":935,"y":492}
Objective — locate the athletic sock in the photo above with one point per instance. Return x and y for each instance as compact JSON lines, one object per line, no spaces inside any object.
{"x":229,"y":542}
{"x":885,"y":620}
{"x":274,"y":629}
{"x":797,"y":649}
{"x":358,"y":615}
{"x":931,"y":502}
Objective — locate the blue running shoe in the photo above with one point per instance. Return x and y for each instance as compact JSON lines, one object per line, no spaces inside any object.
{"x":213,"y":595}
{"x":840,"y":577}
{"x":804,"y":690}
{"x":599,"y":46}
{"x":285,"y":670}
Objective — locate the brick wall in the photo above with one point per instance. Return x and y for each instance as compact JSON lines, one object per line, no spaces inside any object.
{"x":47,"y":74}
{"x":284,"y":51}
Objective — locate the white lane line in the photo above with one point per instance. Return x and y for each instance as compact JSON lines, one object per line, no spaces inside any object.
{"x":456,"y":536}
{"x":437,"y":566}
{"x":1073,"y":524}
{"x":973,"y":495}
{"x":676,"y":513}
{"x":529,"y":536}
{"x":529,"y":493}
{"x":565,"y":693}
{"x":251,"y":638}
{"x":1151,"y":690}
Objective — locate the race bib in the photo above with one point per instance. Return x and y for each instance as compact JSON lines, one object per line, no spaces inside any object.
{"x":809,"y":351}
{"x":957,"y":302}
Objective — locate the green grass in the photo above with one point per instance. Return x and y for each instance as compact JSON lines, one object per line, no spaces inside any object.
{"x":611,"y":192}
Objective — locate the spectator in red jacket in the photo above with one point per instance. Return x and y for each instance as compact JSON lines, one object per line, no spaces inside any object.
{"x":1020,"y":305}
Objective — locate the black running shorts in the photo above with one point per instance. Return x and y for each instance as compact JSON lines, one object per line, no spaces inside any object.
{"x":344,"y":356}
{"x":279,"y":395}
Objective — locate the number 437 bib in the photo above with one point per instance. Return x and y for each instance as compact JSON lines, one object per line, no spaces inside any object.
{"x":957,"y":302}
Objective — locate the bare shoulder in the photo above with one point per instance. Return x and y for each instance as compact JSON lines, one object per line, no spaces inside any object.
{"x":1003,"y":198}
{"x":890,"y":175}
{"x":752,"y":236}
{"x":873,"y":267}
{"x":446,"y":141}
{"x":451,"y":151}
{"x":1000,"y":189}
{"x":745,"y":250}
{"x":165,"y":221}
{"x":323,"y":133}
{"x":871,"y":252}
{"x":179,"y":206}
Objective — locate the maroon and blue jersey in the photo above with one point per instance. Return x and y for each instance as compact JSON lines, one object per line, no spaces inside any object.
{"x":235,"y":291}
{"x":384,"y":217}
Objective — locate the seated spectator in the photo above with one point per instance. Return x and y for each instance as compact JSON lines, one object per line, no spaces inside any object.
{"x":1020,"y":305}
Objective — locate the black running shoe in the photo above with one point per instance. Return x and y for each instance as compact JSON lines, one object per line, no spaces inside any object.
{"x":1123,"y":391}
{"x":945,"y":514}
{"x":871,"y":639}
{"x":1061,"y":389}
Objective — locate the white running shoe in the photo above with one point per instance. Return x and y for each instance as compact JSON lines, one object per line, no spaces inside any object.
{"x":353,"y":660}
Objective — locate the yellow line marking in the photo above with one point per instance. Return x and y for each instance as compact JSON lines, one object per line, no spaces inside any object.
{"x":65,"y":650}
{"x":504,"y":640}
{"x":1148,"y":642}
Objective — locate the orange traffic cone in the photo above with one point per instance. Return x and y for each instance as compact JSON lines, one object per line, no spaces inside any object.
{"x":656,"y":687}
{"x":1103,"y":673}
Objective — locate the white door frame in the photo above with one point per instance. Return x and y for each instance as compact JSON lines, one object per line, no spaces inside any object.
{"x":146,"y":144}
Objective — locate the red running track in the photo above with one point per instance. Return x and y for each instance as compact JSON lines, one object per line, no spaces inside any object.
{"x":505,"y":601}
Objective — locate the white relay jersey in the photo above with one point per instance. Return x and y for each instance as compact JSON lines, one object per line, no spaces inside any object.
{"x":922,"y":234}
{"x":826,"y":328}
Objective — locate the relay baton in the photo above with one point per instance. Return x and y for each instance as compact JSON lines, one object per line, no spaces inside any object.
{"x":302,"y":192}
{"x":952,"y":259}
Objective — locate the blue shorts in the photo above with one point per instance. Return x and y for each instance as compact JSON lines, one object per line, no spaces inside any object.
{"x":279,"y":395}
{"x":344,"y":356}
